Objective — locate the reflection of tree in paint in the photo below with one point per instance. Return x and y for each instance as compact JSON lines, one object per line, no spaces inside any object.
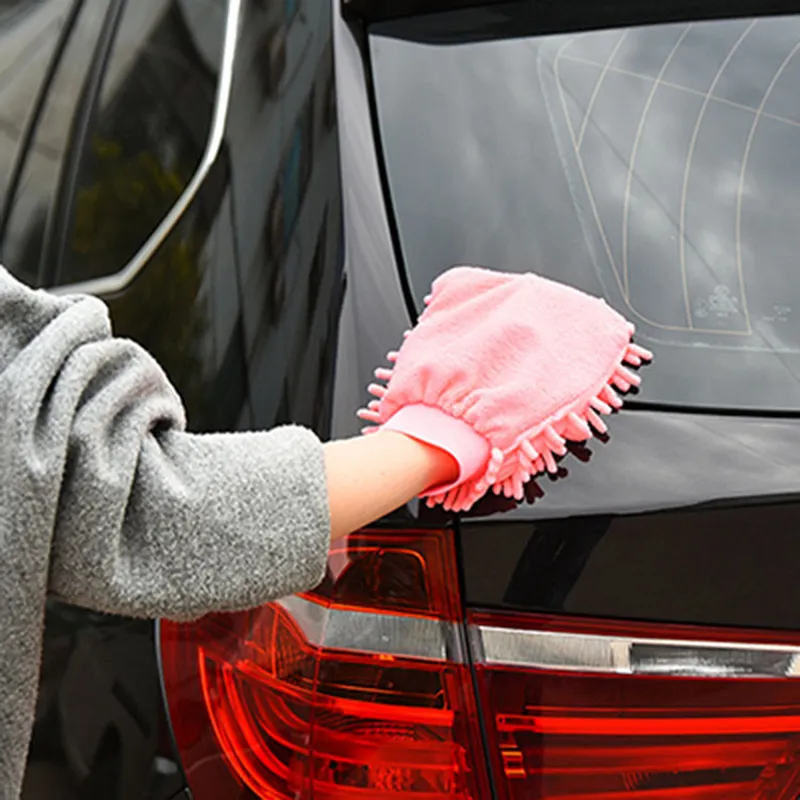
{"x":147,"y":140}
{"x":288,"y":196}
{"x":167,"y":317}
{"x":124,"y":202}
{"x":296,"y":169}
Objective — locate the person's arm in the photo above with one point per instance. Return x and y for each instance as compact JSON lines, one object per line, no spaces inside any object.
{"x":371,"y":476}
{"x":109,"y":503}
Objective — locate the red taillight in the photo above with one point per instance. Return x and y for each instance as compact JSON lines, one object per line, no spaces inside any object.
{"x":361,"y":689}
{"x":358,"y":689}
{"x":590,"y":711}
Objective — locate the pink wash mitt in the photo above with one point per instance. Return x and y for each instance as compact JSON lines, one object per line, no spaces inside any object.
{"x":500,"y":371}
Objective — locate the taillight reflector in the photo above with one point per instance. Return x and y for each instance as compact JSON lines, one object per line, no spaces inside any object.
{"x":358,"y":689}
{"x":588,"y":711}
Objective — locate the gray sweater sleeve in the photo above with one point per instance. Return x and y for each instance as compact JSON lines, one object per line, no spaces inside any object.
{"x":130,"y":514}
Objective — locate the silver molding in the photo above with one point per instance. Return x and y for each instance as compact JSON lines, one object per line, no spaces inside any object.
{"x":113,"y":284}
{"x":549,"y":650}
{"x":388,"y":634}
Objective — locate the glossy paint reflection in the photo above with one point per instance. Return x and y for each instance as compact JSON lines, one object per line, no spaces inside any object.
{"x":730,"y":566}
{"x":678,"y":517}
{"x":653,"y":461}
{"x":374,"y":313}
{"x":239,"y":303}
{"x":99,"y":731}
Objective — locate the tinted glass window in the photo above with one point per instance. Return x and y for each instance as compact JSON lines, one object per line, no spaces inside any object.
{"x":132,"y":129}
{"x":657,"y":166}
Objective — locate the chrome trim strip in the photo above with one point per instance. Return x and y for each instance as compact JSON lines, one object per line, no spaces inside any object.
{"x":113,"y":284}
{"x":633,"y":656}
{"x":309,"y":616}
{"x":388,"y":634}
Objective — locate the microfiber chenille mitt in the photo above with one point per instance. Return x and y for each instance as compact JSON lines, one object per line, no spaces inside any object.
{"x":500,"y":371}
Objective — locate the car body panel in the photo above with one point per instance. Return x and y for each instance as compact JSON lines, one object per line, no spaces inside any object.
{"x":260,"y":331}
{"x":475,"y":170}
{"x":239,"y":301}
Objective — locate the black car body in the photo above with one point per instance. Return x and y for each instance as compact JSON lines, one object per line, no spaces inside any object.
{"x":266,"y":224}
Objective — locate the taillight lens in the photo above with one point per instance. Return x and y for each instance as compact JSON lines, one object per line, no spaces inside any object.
{"x":591,"y":711}
{"x":358,"y":689}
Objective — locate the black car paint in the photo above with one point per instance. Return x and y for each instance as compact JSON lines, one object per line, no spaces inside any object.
{"x":672,"y":503}
{"x":491,"y":19}
{"x":268,"y":218}
{"x":636,"y":529}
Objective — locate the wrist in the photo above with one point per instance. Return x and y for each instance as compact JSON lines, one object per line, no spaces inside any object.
{"x":453,"y":441}
{"x":430,"y":465}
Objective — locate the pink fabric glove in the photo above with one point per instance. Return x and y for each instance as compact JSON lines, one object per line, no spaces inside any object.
{"x":500,"y":371}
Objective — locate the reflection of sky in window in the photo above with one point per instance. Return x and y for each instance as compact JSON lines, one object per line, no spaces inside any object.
{"x":693,"y":213}
{"x":658,"y":166}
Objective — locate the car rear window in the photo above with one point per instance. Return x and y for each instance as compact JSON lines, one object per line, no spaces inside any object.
{"x":657,"y":166}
